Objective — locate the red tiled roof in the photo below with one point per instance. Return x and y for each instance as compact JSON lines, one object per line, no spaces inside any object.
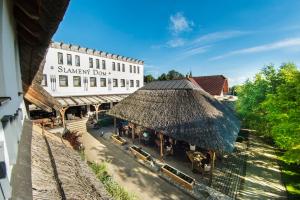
{"x":214,"y":85}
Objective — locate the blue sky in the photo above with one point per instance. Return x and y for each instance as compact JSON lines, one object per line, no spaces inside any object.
{"x":231,"y":37}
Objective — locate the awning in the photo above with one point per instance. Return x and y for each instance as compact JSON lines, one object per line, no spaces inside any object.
{"x":89,"y":100}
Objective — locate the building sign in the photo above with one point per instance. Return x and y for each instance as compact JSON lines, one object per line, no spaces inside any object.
{"x":94,"y":72}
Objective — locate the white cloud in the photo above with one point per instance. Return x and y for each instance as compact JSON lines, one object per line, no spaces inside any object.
{"x":195,"y":51}
{"x":178,"y":42}
{"x":179,"y":23}
{"x":291,"y":42}
{"x":217,"y":36}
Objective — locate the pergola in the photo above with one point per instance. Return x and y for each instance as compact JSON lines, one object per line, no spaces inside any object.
{"x":183,"y":111}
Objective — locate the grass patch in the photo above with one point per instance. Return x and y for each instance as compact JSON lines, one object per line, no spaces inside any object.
{"x":113,"y":188}
{"x":291,"y":179}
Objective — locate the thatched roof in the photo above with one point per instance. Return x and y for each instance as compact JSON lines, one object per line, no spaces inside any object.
{"x":36,"y":22}
{"x":58,"y":172}
{"x":183,"y":111}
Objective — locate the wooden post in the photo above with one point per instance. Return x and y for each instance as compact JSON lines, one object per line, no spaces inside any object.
{"x":115,"y":125}
{"x":161,"y":136}
{"x":96,"y":106}
{"x":133,"y":132}
{"x":139,"y":133}
{"x":62,"y":113}
{"x":212,"y":165}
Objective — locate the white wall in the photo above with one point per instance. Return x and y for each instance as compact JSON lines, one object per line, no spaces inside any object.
{"x":52,"y":68}
{"x":10,"y":86}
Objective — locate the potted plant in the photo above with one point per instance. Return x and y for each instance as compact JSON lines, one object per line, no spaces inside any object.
{"x":137,"y":151}
{"x":178,"y":176}
{"x":118,"y":139}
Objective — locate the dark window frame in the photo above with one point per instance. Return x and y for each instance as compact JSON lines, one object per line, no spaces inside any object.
{"x":91,"y":62}
{"x":115,"y":82}
{"x":95,"y":81}
{"x":77,"y":60}
{"x":59,"y":80}
{"x":97,"y":63}
{"x":60,"y":58}
{"x":79,"y":81}
{"x":69,"y":59}
{"x":131,"y":83}
{"x":101,"y":81}
{"x":103,"y":64}
{"x":121,"y":82}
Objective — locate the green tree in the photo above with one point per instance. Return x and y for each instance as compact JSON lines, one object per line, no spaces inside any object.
{"x":270,"y":103}
{"x":148,"y":78}
{"x":172,"y":75}
{"x":163,"y":77}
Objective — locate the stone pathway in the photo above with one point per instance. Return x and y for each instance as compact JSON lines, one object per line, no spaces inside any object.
{"x":136,"y":179}
{"x":263,"y":176}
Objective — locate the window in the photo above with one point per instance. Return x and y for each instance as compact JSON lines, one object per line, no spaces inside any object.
{"x":134,"y":69}
{"x":138,"y":69}
{"x":103,"y":64}
{"x":123,"y":67}
{"x":60,"y":58}
{"x":131,"y":83}
{"x":115,"y":82}
{"x":63,"y":81}
{"x":102,"y":82}
{"x":137,"y":83}
{"x":97,"y":64}
{"x":122,"y":82}
{"x":44,"y":81}
{"x":113,"y":66}
{"x":76,"y":81}
{"x":93,"y":82}
{"x":119,"y":67}
{"x":77,"y":60}
{"x":69,"y":59}
{"x":130,"y":68}
{"x":91,"y":62}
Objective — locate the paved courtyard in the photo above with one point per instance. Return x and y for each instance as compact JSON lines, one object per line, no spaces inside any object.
{"x":250,"y":172}
{"x":134,"y":177}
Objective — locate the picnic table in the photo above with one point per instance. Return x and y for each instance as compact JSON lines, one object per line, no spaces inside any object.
{"x":196,"y":157}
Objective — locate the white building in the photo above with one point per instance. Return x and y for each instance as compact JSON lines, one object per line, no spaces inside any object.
{"x":79,"y":77}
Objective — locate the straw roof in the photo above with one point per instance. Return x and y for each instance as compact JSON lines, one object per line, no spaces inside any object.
{"x":182,"y":110}
{"x":36,"y":22}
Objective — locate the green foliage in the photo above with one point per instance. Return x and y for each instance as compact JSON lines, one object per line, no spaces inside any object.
{"x":113,"y":188}
{"x":171,"y":75}
{"x":148,"y":78}
{"x":271,"y":104}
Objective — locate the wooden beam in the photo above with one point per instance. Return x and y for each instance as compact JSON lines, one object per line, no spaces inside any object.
{"x":161,"y":137}
{"x":133,"y":132}
{"x":62,"y":113}
{"x":115,"y":125}
{"x":96,"y":106}
{"x":212,"y":165}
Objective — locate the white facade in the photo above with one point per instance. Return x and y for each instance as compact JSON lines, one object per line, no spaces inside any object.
{"x":118,"y":80}
{"x":12,"y":111}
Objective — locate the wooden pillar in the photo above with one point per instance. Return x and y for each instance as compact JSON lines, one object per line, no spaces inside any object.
{"x":161,"y":137}
{"x":133,"y":132}
{"x":212,"y":165}
{"x":115,"y":125}
{"x":139,"y":134}
{"x":96,"y":106}
{"x":62,"y":112}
